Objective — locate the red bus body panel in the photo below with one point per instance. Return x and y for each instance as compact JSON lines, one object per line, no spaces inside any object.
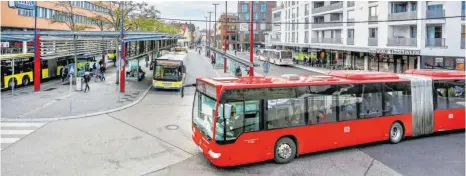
{"x":259,"y":146}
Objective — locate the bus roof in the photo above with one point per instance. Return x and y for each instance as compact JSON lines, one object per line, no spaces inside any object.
{"x":16,"y":56}
{"x":333,"y":77}
{"x":437,"y":73}
{"x":174,"y":56}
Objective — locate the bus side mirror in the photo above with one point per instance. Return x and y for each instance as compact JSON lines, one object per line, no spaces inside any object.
{"x":227,"y":111}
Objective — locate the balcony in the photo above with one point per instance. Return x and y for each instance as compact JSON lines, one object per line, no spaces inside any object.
{"x":327,"y":40}
{"x":462,"y":43}
{"x":328,"y":8}
{"x":373,"y":19}
{"x":350,"y":41}
{"x":277,"y":8}
{"x":350,"y":24}
{"x":328,"y":24}
{"x":438,"y":13}
{"x":402,"y":15}
{"x":373,"y":42}
{"x":435,"y":42}
{"x":275,"y":40}
{"x":350,"y":3}
{"x":402,"y":42}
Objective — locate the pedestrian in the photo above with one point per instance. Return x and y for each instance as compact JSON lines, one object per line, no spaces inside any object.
{"x":63,"y":73}
{"x":147,"y":61}
{"x":87,"y":78}
{"x":102,"y":70}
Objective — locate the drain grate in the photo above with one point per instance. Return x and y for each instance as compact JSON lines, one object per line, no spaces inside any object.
{"x":171,"y":127}
{"x":49,"y":89}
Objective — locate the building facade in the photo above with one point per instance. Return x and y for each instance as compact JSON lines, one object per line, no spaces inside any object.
{"x":374,"y":35}
{"x":19,"y":15}
{"x":227,"y":32}
{"x":262,"y":15}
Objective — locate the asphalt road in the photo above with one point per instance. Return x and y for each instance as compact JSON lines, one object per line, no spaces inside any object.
{"x":276,"y":70}
{"x":154,"y":138}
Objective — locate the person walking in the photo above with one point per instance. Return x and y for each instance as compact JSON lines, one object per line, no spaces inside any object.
{"x":64,"y":73}
{"x":102,"y":71}
{"x":87,"y":78}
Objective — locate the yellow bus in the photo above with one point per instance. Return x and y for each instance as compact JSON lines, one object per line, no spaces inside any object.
{"x":169,"y":71}
{"x":24,"y":69}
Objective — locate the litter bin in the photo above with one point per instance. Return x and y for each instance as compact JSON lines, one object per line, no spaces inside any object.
{"x":79,"y":83}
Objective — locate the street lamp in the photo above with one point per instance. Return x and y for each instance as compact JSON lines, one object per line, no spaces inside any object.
{"x":215,"y":24}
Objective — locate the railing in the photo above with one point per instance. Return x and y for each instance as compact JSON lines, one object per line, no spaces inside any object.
{"x":435,"y":42}
{"x":275,"y":39}
{"x":462,"y":43}
{"x":350,"y":3}
{"x":373,"y":42}
{"x":439,"y":13}
{"x":402,"y":42}
{"x":350,"y":41}
{"x":370,"y":2}
{"x":328,"y":8}
{"x":373,"y":19}
{"x":350,"y":20}
{"x":325,"y":25}
{"x":402,"y":15}
{"x":327,"y":40}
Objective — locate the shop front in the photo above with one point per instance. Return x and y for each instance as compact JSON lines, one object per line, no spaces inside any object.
{"x":441,"y":62}
{"x":393,"y":60}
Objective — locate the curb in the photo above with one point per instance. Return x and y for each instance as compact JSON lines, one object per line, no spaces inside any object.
{"x":80,"y":116}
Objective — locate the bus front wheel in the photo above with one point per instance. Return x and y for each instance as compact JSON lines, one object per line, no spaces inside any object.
{"x":285,"y":150}
{"x":396,"y":132}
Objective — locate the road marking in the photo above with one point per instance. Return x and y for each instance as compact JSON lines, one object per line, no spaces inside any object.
{"x":12,"y":124}
{"x":14,"y":132}
{"x":8,"y":140}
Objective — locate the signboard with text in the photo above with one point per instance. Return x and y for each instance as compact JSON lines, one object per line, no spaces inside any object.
{"x":21,"y":4}
{"x":396,"y":51}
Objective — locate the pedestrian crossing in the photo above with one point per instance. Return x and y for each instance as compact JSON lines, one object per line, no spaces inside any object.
{"x":12,"y":132}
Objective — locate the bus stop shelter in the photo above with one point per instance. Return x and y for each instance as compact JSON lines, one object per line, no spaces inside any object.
{"x":54,"y":44}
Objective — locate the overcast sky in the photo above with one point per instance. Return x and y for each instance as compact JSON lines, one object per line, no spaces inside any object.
{"x":195,"y":10}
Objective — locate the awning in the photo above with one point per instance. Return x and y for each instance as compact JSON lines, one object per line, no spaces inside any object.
{"x":15,"y":38}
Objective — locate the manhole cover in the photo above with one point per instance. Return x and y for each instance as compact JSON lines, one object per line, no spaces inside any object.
{"x":49,"y":89}
{"x":171,"y":127}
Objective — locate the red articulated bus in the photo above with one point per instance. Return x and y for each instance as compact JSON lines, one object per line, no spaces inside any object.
{"x":251,"y":119}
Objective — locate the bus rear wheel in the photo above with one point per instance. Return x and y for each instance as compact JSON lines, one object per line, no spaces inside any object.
{"x":26,"y":81}
{"x":285,"y":150}
{"x":396,"y":133}
{"x":12,"y":83}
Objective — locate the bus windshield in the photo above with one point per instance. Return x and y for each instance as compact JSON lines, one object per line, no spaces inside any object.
{"x":167,"y":72}
{"x":286,"y":55}
{"x":203,"y":112}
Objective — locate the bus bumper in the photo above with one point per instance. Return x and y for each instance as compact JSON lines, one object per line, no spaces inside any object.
{"x":170,"y":88}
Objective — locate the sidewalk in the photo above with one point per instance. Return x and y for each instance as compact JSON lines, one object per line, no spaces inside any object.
{"x":55,"y":100}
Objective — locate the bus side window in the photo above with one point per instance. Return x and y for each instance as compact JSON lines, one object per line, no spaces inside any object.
{"x":371,"y":95}
{"x":397,"y":98}
{"x":251,"y":116}
{"x":235,"y":123}
{"x":348,"y":102}
{"x":322,"y":105}
{"x":449,"y":94}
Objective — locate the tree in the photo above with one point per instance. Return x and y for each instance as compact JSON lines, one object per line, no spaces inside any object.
{"x":68,"y":16}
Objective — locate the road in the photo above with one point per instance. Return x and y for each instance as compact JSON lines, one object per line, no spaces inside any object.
{"x":154,"y":138}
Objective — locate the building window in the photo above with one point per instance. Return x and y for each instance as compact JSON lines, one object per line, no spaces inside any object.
{"x":350,"y":33}
{"x":256,"y":16}
{"x":244,"y":8}
{"x":372,"y":32}
{"x":246,"y":17}
{"x":373,"y":11}
{"x":399,"y":7}
{"x":306,"y":36}
{"x":306,"y":9}
{"x":264,"y":16}
{"x":413,"y":30}
{"x":350,"y":14}
{"x":413,"y":6}
{"x":264,"y":7}
{"x":306,"y":21}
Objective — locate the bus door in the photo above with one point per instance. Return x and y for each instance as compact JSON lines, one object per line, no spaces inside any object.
{"x":52,"y":68}
{"x":242,"y":125}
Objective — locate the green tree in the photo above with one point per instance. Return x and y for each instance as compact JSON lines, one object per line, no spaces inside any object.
{"x":68,"y":16}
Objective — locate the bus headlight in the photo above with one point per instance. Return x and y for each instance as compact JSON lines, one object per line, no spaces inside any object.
{"x":214,"y":155}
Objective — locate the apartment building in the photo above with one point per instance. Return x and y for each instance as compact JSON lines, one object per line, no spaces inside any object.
{"x":227,"y":31}
{"x":375,"y":35}
{"x":19,"y":15}
{"x":262,"y":15}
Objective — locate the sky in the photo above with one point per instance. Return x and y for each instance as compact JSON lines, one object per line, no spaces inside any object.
{"x":195,"y":10}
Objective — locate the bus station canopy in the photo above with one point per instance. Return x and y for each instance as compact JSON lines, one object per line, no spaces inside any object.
{"x":4,"y":37}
